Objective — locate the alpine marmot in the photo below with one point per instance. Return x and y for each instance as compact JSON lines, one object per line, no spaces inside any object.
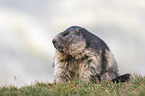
{"x":84,"y":56}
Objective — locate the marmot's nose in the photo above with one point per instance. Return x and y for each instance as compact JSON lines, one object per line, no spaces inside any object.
{"x":53,"y":41}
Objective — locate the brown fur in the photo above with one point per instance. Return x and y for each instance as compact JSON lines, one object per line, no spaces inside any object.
{"x":82,"y":55}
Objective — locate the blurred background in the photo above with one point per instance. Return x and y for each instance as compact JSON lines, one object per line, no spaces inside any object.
{"x":28,"y":26}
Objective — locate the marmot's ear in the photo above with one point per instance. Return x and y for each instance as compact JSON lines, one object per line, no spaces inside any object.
{"x":78,"y":32}
{"x":122,"y":78}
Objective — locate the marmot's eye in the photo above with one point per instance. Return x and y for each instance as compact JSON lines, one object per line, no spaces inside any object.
{"x":78,"y":33}
{"x":65,"y":34}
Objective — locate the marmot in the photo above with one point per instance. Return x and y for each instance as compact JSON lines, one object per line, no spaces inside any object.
{"x":82,"y":55}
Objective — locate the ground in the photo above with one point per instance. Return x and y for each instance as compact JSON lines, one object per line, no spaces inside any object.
{"x":135,"y":87}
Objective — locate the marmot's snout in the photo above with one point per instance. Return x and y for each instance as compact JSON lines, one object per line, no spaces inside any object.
{"x":57,"y":44}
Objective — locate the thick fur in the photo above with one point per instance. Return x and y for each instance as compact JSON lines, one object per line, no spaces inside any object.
{"x":82,"y":55}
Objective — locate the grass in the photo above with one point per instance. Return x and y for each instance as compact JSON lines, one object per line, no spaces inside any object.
{"x":135,"y":87}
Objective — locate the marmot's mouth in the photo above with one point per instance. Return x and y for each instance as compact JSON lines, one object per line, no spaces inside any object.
{"x":58,"y":47}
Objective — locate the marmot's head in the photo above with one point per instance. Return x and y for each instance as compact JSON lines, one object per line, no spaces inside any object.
{"x":70,"y":42}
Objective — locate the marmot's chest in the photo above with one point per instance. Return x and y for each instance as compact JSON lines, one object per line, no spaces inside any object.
{"x":76,"y":67}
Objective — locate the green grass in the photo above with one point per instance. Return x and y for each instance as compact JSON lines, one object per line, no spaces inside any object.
{"x":135,"y":87}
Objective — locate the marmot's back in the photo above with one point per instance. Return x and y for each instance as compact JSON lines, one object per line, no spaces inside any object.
{"x":92,"y":40}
